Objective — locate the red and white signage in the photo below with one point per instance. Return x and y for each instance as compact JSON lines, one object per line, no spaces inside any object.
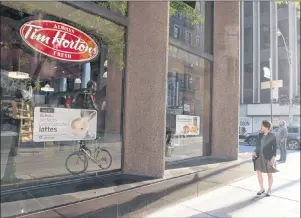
{"x":59,"y":40}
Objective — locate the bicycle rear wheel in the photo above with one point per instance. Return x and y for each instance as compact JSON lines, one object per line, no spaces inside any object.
{"x":76,"y":162}
{"x":103,"y":158}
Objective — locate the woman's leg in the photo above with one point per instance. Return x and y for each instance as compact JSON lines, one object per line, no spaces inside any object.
{"x":270,"y":178}
{"x":260,"y":180}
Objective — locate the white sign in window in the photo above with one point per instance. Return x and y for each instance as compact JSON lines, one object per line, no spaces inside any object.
{"x":187,"y":125}
{"x":63,"y":124}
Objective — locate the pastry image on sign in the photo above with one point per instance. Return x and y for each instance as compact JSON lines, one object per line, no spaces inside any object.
{"x":186,"y":129}
{"x":194,"y":129}
{"x":187,"y":125}
{"x":79,"y":126}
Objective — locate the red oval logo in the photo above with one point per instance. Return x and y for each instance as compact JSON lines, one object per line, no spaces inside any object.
{"x":59,"y":40}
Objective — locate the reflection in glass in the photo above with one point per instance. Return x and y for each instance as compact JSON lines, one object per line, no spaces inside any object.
{"x":188,"y":105}
{"x":55,"y":91}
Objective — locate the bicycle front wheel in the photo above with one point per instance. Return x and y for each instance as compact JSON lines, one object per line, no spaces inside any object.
{"x":103,"y":158}
{"x":76,"y":163}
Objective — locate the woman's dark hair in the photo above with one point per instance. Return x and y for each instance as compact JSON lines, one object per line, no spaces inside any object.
{"x":267,"y":124}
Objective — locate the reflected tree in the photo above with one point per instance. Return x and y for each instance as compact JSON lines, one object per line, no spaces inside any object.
{"x":175,"y":6}
{"x":297,"y":5}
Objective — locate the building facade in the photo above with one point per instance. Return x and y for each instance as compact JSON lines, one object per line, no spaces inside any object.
{"x":89,"y":91}
{"x":267,"y":28}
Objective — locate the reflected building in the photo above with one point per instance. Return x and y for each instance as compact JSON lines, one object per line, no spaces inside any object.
{"x":189,"y":66}
{"x":263,"y":24}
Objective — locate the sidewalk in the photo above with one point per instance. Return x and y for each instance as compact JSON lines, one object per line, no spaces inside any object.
{"x":239,"y":199}
{"x":50,"y":162}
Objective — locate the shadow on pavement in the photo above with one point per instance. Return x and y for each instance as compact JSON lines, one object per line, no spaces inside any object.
{"x":227,"y":210}
{"x":193,"y":162}
{"x":139,"y":201}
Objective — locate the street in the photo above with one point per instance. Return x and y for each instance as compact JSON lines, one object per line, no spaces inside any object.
{"x":239,"y":199}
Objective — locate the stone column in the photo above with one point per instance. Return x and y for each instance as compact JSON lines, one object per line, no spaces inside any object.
{"x":226,"y":79}
{"x":145,"y":88}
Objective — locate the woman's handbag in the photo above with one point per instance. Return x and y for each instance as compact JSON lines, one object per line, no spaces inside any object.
{"x":254,"y":161}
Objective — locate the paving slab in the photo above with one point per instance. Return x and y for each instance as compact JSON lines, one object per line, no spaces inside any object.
{"x":179,"y":211}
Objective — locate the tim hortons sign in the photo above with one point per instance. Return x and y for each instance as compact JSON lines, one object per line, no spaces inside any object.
{"x":59,"y":41}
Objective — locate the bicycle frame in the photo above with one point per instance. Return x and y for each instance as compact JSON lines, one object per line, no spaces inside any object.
{"x":92,"y":158}
{"x":82,"y":149}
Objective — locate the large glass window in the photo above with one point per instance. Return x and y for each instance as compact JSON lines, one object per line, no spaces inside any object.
{"x":61,"y":89}
{"x":188,"y":105}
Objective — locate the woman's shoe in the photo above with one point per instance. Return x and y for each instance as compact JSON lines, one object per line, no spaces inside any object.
{"x":260,"y":192}
{"x":268,"y":194}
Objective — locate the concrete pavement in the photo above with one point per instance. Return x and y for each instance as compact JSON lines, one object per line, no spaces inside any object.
{"x":239,"y":199}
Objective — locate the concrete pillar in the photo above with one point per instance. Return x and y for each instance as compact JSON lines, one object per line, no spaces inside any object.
{"x":274,"y":39}
{"x":145,"y":88}
{"x":256,"y":52}
{"x":293,"y":46}
{"x":226,"y":79}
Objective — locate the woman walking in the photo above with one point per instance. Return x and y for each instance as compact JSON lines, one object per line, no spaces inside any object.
{"x":264,"y":156}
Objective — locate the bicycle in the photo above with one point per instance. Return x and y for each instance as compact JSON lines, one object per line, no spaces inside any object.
{"x":101,"y":157}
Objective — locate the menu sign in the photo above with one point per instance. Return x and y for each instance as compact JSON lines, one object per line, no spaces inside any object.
{"x":59,"y":41}
{"x":187,"y":125}
{"x":62,"y":124}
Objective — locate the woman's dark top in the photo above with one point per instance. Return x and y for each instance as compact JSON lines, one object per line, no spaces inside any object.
{"x":270,"y":148}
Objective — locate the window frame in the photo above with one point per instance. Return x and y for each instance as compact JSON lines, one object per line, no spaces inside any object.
{"x":179,"y":32}
{"x":186,"y":40}
{"x":200,"y":44}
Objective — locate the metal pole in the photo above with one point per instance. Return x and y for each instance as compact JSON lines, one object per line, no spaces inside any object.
{"x":291,"y":18}
{"x":290,"y":89}
{"x":271,"y":88}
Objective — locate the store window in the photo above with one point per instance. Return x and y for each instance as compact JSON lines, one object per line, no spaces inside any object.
{"x":61,"y":90}
{"x":188,"y":108}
